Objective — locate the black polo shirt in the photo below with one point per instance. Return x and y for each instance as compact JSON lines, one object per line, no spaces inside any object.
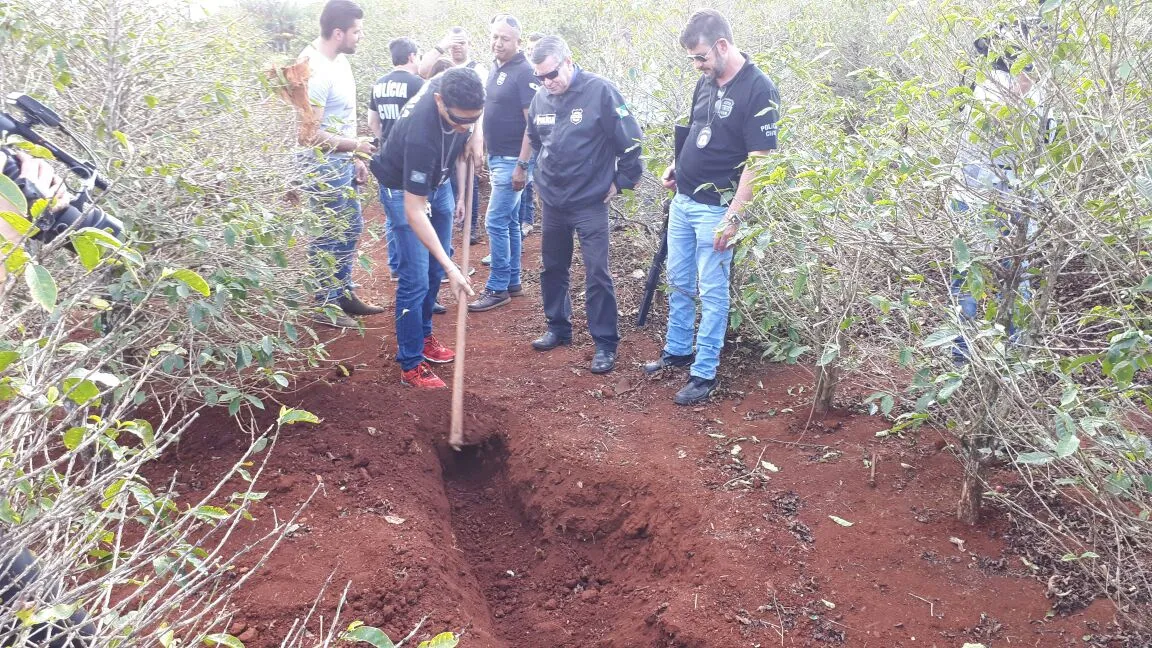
{"x":508,"y":93}
{"x":727,"y":124}
{"x":421,"y":150}
{"x":389,"y":95}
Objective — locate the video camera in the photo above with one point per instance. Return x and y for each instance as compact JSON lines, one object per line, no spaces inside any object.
{"x":80,"y":211}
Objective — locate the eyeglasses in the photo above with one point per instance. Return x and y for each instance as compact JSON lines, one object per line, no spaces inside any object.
{"x":460,"y":119}
{"x":505,"y":18}
{"x":700,"y":58}
{"x":548,"y":76}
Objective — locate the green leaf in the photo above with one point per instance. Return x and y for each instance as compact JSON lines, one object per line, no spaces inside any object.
{"x":1067,"y":446}
{"x":369,"y":635}
{"x":963,"y":256}
{"x":289,"y":415}
{"x":1034,"y":458}
{"x":211,"y":513}
{"x":15,"y":258}
{"x":831,"y":352}
{"x":22,"y":225}
{"x":80,"y":391}
{"x":1050,"y":6}
{"x":7,"y":358}
{"x":190,"y":279}
{"x":42,"y":285}
{"x":442,"y":640}
{"x":223,"y":639}
{"x":87,"y":250}
{"x":841,"y":521}
{"x":1065,"y":426}
{"x":11,"y":193}
{"x":941,"y":337}
{"x":73,"y":438}
{"x":54,"y":613}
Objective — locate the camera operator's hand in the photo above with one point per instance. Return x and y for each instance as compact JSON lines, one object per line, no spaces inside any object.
{"x":43,"y":177}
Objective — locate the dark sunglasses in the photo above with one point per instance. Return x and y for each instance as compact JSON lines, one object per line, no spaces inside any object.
{"x":460,"y":119}
{"x":548,"y":76}
{"x":507,"y":18}
{"x":700,"y":58}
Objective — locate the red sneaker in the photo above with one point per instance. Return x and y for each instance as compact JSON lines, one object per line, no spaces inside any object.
{"x":421,"y":377}
{"x":437,"y":353}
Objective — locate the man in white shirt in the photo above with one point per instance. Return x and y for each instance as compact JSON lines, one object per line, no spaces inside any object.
{"x":333,"y":162}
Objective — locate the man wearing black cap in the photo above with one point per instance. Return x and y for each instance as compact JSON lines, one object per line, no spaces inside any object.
{"x":735,"y":108}
{"x":413,"y":168}
{"x":588,"y":149}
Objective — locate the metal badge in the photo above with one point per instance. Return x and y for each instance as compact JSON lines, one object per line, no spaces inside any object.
{"x":704,"y":137}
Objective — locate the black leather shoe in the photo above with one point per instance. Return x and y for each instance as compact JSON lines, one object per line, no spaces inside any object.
{"x":550,"y":341}
{"x":667,"y":360}
{"x":515,"y":290}
{"x":353,"y":306}
{"x":603,"y":362}
{"x":696,"y":391}
{"x":489,"y":300}
{"x":438,"y":309}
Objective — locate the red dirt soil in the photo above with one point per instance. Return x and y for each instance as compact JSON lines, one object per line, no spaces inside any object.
{"x":598,"y":514}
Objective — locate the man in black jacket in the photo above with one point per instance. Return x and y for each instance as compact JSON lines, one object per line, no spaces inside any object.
{"x":588,"y":150}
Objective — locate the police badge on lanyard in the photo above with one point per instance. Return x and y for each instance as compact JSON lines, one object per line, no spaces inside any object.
{"x":703,"y":137}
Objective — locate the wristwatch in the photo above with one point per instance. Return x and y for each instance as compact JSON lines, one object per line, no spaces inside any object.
{"x":523,"y":164}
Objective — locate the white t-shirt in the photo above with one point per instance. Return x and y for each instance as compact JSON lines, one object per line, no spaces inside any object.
{"x":332,"y":86}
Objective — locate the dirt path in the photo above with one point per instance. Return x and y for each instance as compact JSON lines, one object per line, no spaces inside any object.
{"x":599,"y":514}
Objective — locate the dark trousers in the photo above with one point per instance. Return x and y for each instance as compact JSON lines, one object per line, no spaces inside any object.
{"x":591,"y":225}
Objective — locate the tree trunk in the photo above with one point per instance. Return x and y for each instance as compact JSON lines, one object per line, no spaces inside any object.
{"x":827,"y":377}
{"x":971,"y":502}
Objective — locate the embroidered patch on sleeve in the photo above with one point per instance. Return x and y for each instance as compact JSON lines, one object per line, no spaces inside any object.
{"x":622,"y":111}
{"x":418,"y":177}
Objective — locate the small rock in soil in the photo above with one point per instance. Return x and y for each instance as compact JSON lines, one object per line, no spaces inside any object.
{"x":550,"y":604}
{"x":237,"y":628}
{"x":590,"y":595}
{"x":248,"y":635}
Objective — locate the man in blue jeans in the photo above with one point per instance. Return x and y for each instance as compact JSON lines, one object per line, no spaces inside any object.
{"x":422,"y":151}
{"x":734,"y":115}
{"x":330,"y":163}
{"x":509,"y":92}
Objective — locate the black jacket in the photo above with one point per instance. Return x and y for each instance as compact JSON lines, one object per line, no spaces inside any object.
{"x":585,"y":139}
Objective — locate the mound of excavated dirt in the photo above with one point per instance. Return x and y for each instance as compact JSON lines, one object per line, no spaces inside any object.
{"x":589,"y":511}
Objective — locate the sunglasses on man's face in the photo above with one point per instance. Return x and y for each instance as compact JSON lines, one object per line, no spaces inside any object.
{"x":461,"y":119}
{"x":548,"y":76}
{"x":701,"y":58}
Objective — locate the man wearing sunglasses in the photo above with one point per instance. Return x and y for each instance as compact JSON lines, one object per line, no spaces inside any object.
{"x":508,"y":94}
{"x":422,"y":151}
{"x":735,"y":108}
{"x":588,"y":149}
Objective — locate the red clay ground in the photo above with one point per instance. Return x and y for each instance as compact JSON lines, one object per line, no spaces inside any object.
{"x":598,"y":514}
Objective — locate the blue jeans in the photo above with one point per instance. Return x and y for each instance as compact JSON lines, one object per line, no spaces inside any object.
{"x":419,"y":274}
{"x":393,"y":259}
{"x":966,"y":301}
{"x":503,"y":222}
{"x":528,"y":204}
{"x":330,"y":255}
{"x":693,"y":263}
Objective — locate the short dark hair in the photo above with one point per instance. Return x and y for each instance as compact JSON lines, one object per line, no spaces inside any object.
{"x":705,"y":26}
{"x":535,"y":36}
{"x":339,"y":14}
{"x":461,"y":88}
{"x":402,"y":49}
{"x":441,"y":65}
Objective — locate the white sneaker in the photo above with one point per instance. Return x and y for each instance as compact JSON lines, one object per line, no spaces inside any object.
{"x":525,"y":229}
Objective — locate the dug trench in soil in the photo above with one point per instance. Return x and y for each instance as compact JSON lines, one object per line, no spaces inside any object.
{"x":596,"y":513}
